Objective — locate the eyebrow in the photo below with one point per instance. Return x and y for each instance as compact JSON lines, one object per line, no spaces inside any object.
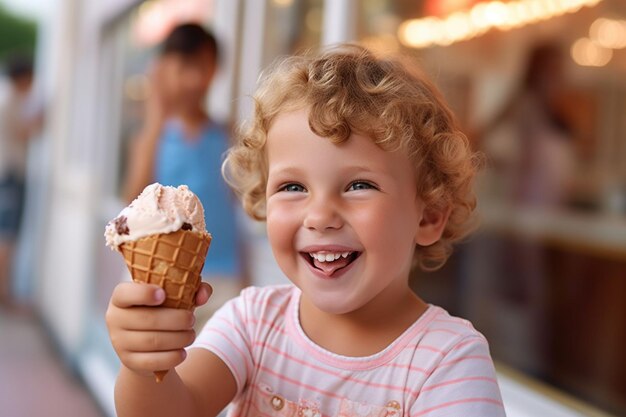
{"x":297,"y":170}
{"x":289,"y":170}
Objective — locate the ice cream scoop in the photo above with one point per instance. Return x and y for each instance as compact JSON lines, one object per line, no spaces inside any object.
{"x":158,"y":209}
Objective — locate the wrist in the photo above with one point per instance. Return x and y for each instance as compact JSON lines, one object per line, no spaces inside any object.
{"x":137,"y":374}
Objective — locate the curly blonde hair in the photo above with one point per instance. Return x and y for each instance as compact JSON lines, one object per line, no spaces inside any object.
{"x":347,"y":89}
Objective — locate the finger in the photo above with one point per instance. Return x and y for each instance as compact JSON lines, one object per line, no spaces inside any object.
{"x":155,"y":319}
{"x":154,"y":361}
{"x":142,"y":341}
{"x":129,"y":294}
{"x":203,"y":294}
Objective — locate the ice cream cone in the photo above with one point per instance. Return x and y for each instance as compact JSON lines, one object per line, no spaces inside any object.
{"x":172,"y":261}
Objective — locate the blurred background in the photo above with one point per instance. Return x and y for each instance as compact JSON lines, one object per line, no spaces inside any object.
{"x":538,"y":85}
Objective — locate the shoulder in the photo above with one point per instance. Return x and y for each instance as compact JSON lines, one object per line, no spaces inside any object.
{"x":447,"y":331}
{"x":256,"y":310}
{"x":217,"y":129}
{"x":271,"y":300}
{"x":459,"y":376}
{"x":273,"y":295}
{"x":455,"y":348}
{"x":271,"y":291}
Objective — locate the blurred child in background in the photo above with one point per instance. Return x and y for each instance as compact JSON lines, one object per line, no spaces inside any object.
{"x":180,"y":144}
{"x":539,"y":158}
{"x":530,"y":143}
{"x":15,"y":131}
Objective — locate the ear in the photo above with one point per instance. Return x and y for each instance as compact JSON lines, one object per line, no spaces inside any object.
{"x":431,"y":225}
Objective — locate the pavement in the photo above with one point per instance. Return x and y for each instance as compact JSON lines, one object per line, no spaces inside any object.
{"x":34,"y":380}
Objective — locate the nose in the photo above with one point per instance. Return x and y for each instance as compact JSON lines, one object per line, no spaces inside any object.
{"x":322,"y":214}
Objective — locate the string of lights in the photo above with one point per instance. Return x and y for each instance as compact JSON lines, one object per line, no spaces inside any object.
{"x":482,"y":17}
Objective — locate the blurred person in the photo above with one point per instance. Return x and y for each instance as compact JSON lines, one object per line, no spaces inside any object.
{"x":538,"y":155}
{"x":530,"y":144}
{"x":179,"y":143}
{"x":16,"y":128}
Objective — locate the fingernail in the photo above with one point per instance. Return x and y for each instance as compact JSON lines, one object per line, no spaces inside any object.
{"x":184,"y":354}
{"x":193,"y":320}
{"x":159,"y":295}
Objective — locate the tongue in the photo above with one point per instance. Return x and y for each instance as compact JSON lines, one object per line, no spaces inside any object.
{"x":328,"y":268}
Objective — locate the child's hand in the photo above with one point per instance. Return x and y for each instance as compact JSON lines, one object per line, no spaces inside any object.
{"x":163,"y":91}
{"x":146,"y":338}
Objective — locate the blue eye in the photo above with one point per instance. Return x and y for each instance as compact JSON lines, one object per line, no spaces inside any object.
{"x":361,"y":185}
{"x":293,"y":188}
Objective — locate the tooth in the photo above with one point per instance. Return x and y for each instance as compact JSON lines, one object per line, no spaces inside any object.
{"x":329,"y":257}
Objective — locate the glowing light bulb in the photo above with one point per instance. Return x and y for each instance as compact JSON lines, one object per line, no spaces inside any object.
{"x":585,"y":52}
{"x":608,"y":33}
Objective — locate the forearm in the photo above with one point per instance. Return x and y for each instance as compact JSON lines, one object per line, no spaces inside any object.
{"x":137,"y":395}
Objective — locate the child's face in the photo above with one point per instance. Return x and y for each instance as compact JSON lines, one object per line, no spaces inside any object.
{"x":187,"y":77}
{"x":354,"y":202}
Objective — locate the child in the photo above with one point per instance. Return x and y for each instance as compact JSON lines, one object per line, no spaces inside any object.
{"x":15,"y":132}
{"x":180,"y":144}
{"x":358,"y":169}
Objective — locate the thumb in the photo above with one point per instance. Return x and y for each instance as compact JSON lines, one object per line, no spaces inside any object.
{"x":203,"y":294}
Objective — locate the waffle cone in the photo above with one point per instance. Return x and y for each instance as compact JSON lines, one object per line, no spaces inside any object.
{"x":172,"y":261}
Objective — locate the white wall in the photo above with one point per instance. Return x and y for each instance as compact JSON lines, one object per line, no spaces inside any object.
{"x":72,"y":194}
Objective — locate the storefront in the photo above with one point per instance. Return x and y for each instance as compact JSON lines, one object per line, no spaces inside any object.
{"x":93,"y":63}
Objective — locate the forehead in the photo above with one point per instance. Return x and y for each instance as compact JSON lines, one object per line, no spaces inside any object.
{"x":291,"y":129}
{"x":202,"y":57}
{"x":292,"y":144}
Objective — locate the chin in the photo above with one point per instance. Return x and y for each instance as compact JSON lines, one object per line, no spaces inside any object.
{"x":331,"y":306}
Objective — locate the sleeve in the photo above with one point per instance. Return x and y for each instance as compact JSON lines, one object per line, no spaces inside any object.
{"x":463,"y":384}
{"x":226,"y":335}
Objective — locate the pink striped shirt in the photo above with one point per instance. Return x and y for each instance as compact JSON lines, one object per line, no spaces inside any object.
{"x":440,"y":366}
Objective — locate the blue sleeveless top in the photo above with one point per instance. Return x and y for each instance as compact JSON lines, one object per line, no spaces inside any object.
{"x":197,"y":163}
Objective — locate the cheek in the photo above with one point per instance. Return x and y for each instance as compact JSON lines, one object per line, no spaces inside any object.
{"x":171,"y":77}
{"x":281,"y":226}
{"x":390,"y":228}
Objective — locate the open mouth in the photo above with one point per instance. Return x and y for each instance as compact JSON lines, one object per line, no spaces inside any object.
{"x":330,"y":262}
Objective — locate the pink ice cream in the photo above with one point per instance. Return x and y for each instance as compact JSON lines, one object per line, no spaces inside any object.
{"x":158,"y":209}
